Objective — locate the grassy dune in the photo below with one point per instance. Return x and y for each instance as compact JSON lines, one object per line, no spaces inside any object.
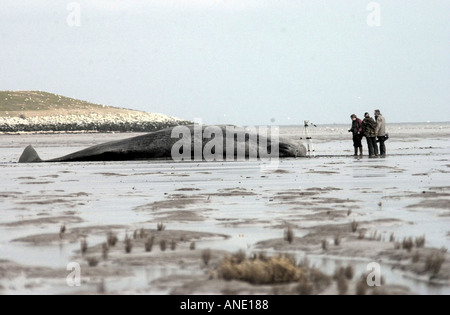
{"x":36,"y":111}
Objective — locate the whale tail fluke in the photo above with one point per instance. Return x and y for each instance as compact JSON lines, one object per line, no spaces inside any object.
{"x":29,"y":155}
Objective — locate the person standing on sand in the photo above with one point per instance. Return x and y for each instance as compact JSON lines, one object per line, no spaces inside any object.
{"x":356,"y":129}
{"x":381,"y":131}
{"x":369,"y":130}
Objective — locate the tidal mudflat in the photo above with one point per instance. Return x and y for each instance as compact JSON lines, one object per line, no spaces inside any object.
{"x":160,"y":227}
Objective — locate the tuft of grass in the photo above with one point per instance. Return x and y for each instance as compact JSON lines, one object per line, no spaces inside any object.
{"x":278,"y":269}
{"x":83,"y":246}
{"x":397,"y":245}
{"x":305,"y":287}
{"x":361,"y":287}
{"x":361,"y":234}
{"x":325,"y":244}
{"x":239,"y":256}
{"x":162,"y":245}
{"x":105,"y":251}
{"x":135,"y":234}
{"x":111,"y":239}
{"x":349,"y":212}
{"x":192,"y":246}
{"x":206,"y":256}
{"x":420,"y":241}
{"x":416,"y":257}
{"x":433,"y":263}
{"x":101,"y":289}
{"x":342,"y":285}
{"x":392,"y":238}
{"x":407,"y":244}
{"x":142,"y":233}
{"x":160,"y":226}
{"x":346,"y":272}
{"x":62,"y":230}
{"x":354,"y":226}
{"x":92,"y":261}
{"x":173,"y":245}
{"x":318,"y":278}
{"x":128,"y":244}
{"x":149,"y":243}
{"x":289,"y":235}
{"x":349,"y":272}
{"x":337,"y":240}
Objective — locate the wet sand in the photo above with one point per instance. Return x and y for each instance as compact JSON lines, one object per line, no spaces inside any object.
{"x":224,"y":207}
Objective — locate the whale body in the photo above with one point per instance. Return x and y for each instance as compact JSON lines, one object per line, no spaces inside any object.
{"x":185,"y":142}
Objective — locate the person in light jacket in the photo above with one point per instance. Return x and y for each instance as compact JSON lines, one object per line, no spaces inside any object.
{"x":381,"y":131}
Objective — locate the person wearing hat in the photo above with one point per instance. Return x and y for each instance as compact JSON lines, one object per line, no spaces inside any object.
{"x":370,"y":132}
{"x":381,"y":131}
{"x":356,"y":129}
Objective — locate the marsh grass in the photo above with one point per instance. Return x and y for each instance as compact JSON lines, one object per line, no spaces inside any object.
{"x":206,"y":256}
{"x":416,"y":257}
{"x":111,"y":239}
{"x":160,"y":226}
{"x":92,"y":261}
{"x":83,"y":246}
{"x":289,"y":235}
{"x":105,"y":251}
{"x":163,"y":245}
{"x":173,"y":245}
{"x":361,"y":287}
{"x":325,"y":244}
{"x":354,"y":226}
{"x":142,"y":234}
{"x":420,"y":241}
{"x":392,"y":238}
{"x":337,"y":239}
{"x":433,"y":263}
{"x":62,"y":230}
{"x":342,"y":285}
{"x":128,"y":244}
{"x":407,"y":243}
{"x":271,"y":270}
{"x":192,"y":246}
{"x":149,"y":243}
{"x":361,"y":234}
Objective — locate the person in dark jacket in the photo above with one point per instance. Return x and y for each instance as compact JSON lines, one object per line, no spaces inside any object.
{"x":369,"y":130}
{"x":357,"y":132}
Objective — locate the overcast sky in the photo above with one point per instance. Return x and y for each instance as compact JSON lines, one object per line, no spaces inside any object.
{"x":244,"y":62}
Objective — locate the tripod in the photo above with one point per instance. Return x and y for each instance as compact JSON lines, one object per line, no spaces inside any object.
{"x":310,"y":147}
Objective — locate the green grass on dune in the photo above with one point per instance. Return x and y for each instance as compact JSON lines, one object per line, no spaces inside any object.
{"x":20,"y":101}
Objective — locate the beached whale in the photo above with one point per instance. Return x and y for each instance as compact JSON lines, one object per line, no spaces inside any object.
{"x":186,"y":143}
